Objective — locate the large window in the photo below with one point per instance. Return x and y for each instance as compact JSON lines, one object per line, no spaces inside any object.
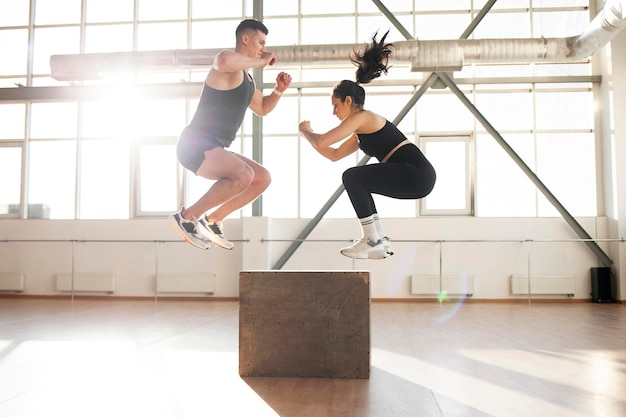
{"x":111,"y":154}
{"x":452,"y":158}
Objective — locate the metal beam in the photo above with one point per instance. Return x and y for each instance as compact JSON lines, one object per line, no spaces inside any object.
{"x":257,"y":121}
{"x":479,"y":17}
{"x":603,"y":257}
{"x":384,"y":10}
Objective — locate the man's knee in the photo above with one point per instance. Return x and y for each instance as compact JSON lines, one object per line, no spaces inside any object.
{"x":243,"y":178}
{"x":263,"y":178}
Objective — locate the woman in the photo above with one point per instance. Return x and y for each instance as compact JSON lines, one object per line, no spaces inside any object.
{"x":402,"y":172}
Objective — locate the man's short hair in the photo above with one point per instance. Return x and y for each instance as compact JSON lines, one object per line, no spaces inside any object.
{"x":248,"y":25}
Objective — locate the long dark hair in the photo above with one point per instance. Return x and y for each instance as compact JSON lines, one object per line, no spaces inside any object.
{"x":370,"y":63}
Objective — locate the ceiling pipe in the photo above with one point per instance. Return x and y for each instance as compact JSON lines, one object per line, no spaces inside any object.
{"x":432,"y":55}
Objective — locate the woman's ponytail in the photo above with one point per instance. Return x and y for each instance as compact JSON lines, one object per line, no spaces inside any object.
{"x":372,"y":62}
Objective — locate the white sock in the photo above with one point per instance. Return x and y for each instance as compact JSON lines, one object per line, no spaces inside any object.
{"x":379,"y":226}
{"x":368,"y":225}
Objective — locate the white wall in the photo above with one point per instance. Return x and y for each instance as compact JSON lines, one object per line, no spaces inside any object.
{"x":258,"y":245}
{"x":611,"y":63}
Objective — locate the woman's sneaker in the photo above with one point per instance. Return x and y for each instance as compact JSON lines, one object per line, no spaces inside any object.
{"x":188,"y":229}
{"x":215,"y":233}
{"x":387,"y":246}
{"x":365,"y":248}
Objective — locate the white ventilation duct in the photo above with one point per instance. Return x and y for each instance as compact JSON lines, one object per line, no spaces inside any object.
{"x":437,"y":55}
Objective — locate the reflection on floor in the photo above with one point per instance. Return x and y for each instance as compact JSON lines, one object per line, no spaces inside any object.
{"x":179,"y":358}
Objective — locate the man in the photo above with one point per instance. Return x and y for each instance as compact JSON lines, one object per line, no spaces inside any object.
{"x":227,"y":92}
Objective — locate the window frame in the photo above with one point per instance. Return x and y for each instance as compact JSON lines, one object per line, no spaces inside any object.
{"x":470,"y":167}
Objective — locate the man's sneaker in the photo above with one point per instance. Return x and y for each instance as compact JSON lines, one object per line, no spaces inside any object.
{"x":364,"y":248}
{"x":188,"y":229}
{"x":387,"y":246}
{"x":214,"y":232}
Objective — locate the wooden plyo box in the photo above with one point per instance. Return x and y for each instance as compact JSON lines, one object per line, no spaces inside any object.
{"x":304,"y":324}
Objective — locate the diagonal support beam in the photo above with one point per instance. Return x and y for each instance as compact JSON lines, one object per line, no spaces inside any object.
{"x":603,"y":257}
{"x":405,"y":110}
{"x":384,"y":10}
{"x":479,"y":17}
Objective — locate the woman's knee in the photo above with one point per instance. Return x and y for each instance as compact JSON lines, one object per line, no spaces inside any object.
{"x":349,"y":175}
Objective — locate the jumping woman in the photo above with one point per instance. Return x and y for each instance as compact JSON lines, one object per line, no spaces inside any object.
{"x":403,"y":171}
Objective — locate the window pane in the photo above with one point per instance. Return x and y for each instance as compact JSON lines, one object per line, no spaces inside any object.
{"x":325,"y":74}
{"x":319,"y":180}
{"x":564,"y":3}
{"x":502,"y":188}
{"x":158,"y":178}
{"x":281,"y":32}
{"x":129,"y":117}
{"x":280,"y":157}
{"x":160,"y":117}
{"x":109,"y":10}
{"x":11,"y":174}
{"x":13,"y":119}
{"x":53,"y":120}
{"x":196,"y":187}
{"x":562,"y":69}
{"x":218,"y":8}
{"x":442,"y":5}
{"x":560,"y":110}
{"x":214,"y":34}
{"x":51,"y":12}
{"x":109,"y":38}
{"x":368,"y":25}
{"x":327,"y":7}
{"x":449,"y":157}
{"x":284,"y":118}
{"x":10,"y":82}
{"x":503,"y":25}
{"x":53,"y":41}
{"x":14,"y":47}
{"x":312,"y":35}
{"x":393,"y":207}
{"x":280,"y":7}
{"x":507,"y":111}
{"x":443,"y":113}
{"x":500,"y":70}
{"x":109,"y":118}
{"x":105,"y":192}
{"x":389,"y":106}
{"x":566,"y":165}
{"x":53,"y":177}
{"x":559,"y":24}
{"x":368,"y":6}
{"x":14,"y":12}
{"x":164,"y":9}
{"x":161,"y":36}
{"x":445,"y":26}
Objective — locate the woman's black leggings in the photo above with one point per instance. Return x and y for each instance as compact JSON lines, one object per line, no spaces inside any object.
{"x":406,"y":175}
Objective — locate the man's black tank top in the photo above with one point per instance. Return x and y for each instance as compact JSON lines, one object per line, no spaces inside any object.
{"x":220,"y":113}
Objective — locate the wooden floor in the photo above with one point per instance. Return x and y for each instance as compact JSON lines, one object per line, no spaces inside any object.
{"x":117,"y":358}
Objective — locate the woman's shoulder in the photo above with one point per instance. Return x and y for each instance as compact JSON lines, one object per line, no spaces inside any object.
{"x":371,"y":122}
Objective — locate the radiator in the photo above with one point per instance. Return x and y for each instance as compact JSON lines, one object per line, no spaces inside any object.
{"x":544,"y":284}
{"x":448,"y":284}
{"x":186,"y":283}
{"x":86,"y":282}
{"x":11,"y":281}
